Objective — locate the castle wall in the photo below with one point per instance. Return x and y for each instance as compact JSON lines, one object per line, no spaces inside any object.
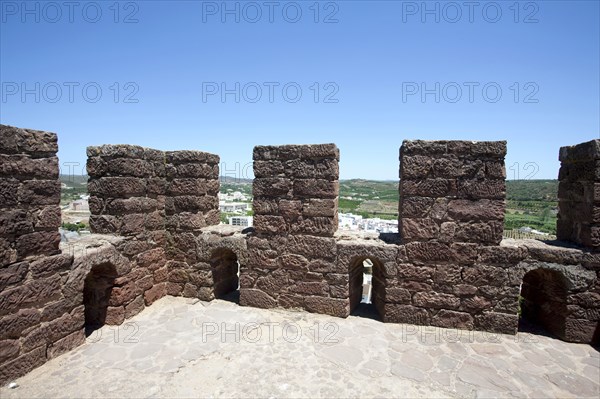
{"x":38,"y":320}
{"x":160,"y":201}
{"x":292,"y":257}
{"x":159,"y":213}
{"x":579,"y":194}
{"x":452,"y":191}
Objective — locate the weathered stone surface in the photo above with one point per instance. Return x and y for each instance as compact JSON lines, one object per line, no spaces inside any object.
{"x":115,"y":315}
{"x":330,"y":306}
{"x":436,"y":300}
{"x":466,"y":210}
{"x":154,"y":293}
{"x":66,"y":344}
{"x":13,"y":274}
{"x":256,"y":298}
{"x":394,"y":313}
{"x":38,"y":243}
{"x":429,"y":252}
{"x":33,"y":292}
{"x":15,"y":222}
{"x":23,"y":364}
{"x":497,"y":322}
{"x":450,"y":319}
{"x":11,"y":326}
{"x":314,"y":247}
{"x":476,"y":189}
{"x":419,"y":229}
{"x":51,"y":265}
{"x":9,"y":350}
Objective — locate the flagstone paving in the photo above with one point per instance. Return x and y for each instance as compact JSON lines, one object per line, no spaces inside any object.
{"x":184,"y":348}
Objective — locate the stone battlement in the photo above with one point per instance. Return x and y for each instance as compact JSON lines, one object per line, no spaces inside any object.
{"x":158,"y":213}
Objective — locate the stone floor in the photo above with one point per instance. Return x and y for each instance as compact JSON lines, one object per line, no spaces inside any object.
{"x":184,"y":348}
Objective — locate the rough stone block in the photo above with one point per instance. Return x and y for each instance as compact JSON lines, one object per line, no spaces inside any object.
{"x":436,"y":300}
{"x":408,"y":314}
{"x":105,"y":224}
{"x":9,"y":350}
{"x":430,"y":252}
{"x":24,"y":167}
{"x":9,"y":192}
{"x":465,"y":210}
{"x":428,"y":188}
{"x":256,"y":298}
{"x":270,"y":224}
{"x":313,"y":247}
{"x":415,"y":207}
{"x":267,"y":169}
{"x":272,"y":187}
{"x":419,"y":229}
{"x":329,"y":306}
{"x":39,"y":192}
{"x":116,"y":151}
{"x":22,"y":365}
{"x":451,"y":319}
{"x":50,"y":265}
{"x":155,"y":293}
{"x":482,"y":189}
{"x":13,"y":274}
{"x":66,"y":344}
{"x":11,"y":326}
{"x":182,"y":157}
{"x":117,"y":187}
{"x":38,"y":243}
{"x":317,"y":226}
{"x":497,"y":322}
{"x":316,"y":188}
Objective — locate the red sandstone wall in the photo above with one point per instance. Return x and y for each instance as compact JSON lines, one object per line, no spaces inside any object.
{"x":452,"y":191}
{"x":160,"y":201}
{"x":449,"y":273}
{"x":38,"y":320}
{"x":579,"y":194}
{"x":292,"y":258}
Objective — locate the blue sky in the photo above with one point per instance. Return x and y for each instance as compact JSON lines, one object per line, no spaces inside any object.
{"x":369,"y":73}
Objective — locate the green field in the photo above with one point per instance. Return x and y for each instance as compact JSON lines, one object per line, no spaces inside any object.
{"x":369,"y":198}
{"x":532,"y":203}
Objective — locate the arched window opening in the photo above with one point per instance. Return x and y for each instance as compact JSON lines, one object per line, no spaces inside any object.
{"x":543,"y":302}
{"x":366,"y":287}
{"x":97,"y":288}
{"x":226,"y":274}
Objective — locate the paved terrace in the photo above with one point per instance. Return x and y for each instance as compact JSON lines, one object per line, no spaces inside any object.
{"x":186,"y":348}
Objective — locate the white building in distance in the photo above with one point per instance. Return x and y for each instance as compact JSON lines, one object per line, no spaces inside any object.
{"x":243,"y":221}
{"x":234,"y":207}
{"x":81,"y":205}
{"x":350,"y":221}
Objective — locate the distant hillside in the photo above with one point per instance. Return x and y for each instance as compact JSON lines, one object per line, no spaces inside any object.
{"x":532,"y":190}
{"x":79,"y":179}
{"x":387,"y":190}
{"x":74,"y":181}
{"x":234,"y":180}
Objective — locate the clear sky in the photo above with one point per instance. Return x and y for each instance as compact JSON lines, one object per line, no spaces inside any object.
{"x":371,"y":74}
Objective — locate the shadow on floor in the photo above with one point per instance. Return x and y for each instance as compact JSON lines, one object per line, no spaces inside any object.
{"x":367,"y":311}
{"x":530,"y":327}
{"x":233,"y":297}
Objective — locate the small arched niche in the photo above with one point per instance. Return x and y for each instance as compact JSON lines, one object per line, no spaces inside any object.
{"x":97,"y":288}
{"x":543,"y":301}
{"x":366,"y":287}
{"x":225,"y":270}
